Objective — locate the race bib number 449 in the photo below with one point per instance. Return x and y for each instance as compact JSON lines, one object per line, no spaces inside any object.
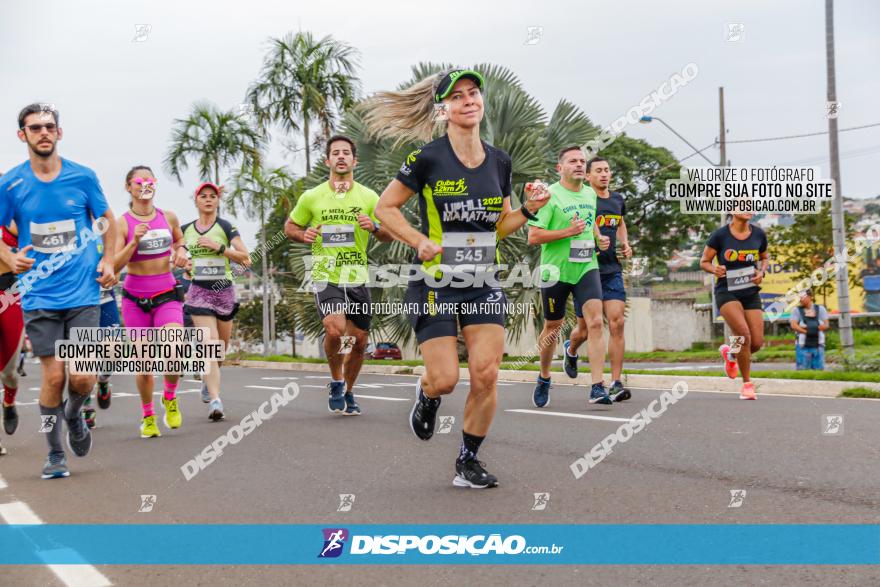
{"x":740,"y":278}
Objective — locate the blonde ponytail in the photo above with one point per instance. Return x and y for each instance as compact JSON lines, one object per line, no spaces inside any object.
{"x":407,"y":116}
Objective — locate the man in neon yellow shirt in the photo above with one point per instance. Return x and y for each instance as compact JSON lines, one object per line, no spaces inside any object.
{"x":336,"y":218}
{"x":567,"y":232}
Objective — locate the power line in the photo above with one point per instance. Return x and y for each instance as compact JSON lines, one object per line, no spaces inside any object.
{"x":812,"y":134}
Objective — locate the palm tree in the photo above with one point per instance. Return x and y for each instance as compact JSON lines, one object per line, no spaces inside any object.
{"x":256,"y":189}
{"x":215,"y":140}
{"x":513,"y":121}
{"x":302,"y":81}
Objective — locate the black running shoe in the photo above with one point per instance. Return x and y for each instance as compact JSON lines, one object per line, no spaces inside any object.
{"x":618,"y":392}
{"x":21,"y":372}
{"x":104,"y":395}
{"x":569,"y":362}
{"x":424,"y":414}
{"x":10,"y":419}
{"x":471,"y":473}
{"x":351,"y":406}
{"x":79,"y":439}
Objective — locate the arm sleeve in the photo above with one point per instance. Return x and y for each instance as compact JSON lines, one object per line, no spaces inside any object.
{"x":622,"y":207}
{"x":301,"y":213}
{"x":413,"y":172}
{"x":97,"y":201}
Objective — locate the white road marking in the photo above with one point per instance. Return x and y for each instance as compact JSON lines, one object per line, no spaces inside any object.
{"x":79,"y":575}
{"x":277,"y":378}
{"x":390,"y":399}
{"x":567,"y":415}
{"x":3,"y":484}
{"x":263,"y":387}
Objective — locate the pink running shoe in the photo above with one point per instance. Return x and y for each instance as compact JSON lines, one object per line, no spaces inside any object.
{"x":748,"y":391}
{"x":730,"y":367}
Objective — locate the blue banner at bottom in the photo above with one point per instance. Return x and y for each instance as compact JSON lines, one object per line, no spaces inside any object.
{"x":553,"y":544}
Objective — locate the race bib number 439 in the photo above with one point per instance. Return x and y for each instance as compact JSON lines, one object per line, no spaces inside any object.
{"x":208,"y":268}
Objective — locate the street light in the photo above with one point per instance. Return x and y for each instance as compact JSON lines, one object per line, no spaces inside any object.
{"x":649,"y":119}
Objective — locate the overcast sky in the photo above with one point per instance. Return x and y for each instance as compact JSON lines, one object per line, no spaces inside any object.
{"x":118,"y":98}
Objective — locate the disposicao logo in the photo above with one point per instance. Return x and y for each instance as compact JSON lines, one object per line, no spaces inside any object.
{"x":334,"y":541}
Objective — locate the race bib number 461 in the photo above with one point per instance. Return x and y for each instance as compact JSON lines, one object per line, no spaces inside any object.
{"x":52,"y":237}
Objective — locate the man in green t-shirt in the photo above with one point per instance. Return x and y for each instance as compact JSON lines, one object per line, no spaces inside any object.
{"x":567,"y":232}
{"x":336,"y":218}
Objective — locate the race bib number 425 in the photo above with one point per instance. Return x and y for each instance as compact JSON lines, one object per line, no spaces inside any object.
{"x":337,"y":235}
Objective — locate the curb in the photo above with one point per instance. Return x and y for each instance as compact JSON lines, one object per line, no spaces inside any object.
{"x":801,"y":387}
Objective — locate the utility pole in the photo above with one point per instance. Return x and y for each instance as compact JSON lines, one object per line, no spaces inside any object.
{"x":264,"y":276}
{"x":722,"y":143}
{"x":837,"y":223}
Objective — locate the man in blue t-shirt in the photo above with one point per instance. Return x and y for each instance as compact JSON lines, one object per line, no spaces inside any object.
{"x":60,"y":211}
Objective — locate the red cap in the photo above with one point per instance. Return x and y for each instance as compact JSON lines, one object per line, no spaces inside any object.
{"x":207,"y":184}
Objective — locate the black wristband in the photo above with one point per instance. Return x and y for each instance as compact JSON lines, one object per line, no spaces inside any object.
{"x":526,"y":213}
{"x":222,"y":249}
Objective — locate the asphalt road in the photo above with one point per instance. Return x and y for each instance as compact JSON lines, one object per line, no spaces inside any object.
{"x":679,"y":469}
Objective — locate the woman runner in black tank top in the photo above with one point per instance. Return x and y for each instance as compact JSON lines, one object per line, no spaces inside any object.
{"x":741,"y":250}
{"x":464,"y":187}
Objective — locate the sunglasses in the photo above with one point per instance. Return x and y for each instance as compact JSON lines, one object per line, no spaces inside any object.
{"x":144,"y":180}
{"x":35,"y":128}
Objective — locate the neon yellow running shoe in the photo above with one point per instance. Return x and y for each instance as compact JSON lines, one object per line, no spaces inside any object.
{"x":173,"y":418}
{"x":149,"y":429}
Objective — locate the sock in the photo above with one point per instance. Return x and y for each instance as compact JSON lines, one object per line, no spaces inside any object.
{"x":74,"y":404}
{"x":569,"y":353}
{"x":9,"y":395}
{"x":337,"y":380}
{"x":170,"y":391}
{"x":617,"y":382}
{"x":53,"y":434}
{"x":148,"y":410}
{"x":103,"y":378}
{"x":470,"y":444}
{"x":543,"y":379}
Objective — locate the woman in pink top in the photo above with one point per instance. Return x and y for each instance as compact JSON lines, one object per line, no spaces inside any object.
{"x":151,"y":296}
